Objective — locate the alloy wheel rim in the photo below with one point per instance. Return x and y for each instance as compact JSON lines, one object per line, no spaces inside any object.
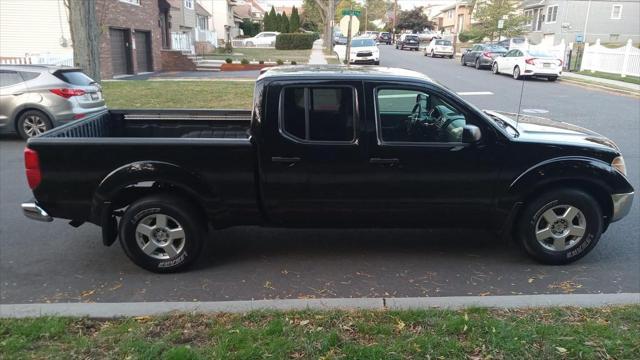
{"x":160,"y":236}
{"x":34,"y":125}
{"x":560,"y":228}
{"x":516,"y":73}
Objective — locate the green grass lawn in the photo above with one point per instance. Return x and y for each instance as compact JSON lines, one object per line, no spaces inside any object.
{"x":603,"y":75}
{"x":257,"y":54}
{"x":133,"y":94}
{"x":558,"y":333}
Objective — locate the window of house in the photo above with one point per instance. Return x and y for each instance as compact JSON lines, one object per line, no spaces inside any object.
{"x":552,"y":14}
{"x":616,"y":12}
{"x":188,"y":4}
{"x":203,"y":22}
{"x":529,"y":17}
{"x":450,"y":14}
{"x":405,"y":115}
{"x":134,"y":2}
{"x":318,"y":113}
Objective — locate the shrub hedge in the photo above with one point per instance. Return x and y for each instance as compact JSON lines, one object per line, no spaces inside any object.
{"x":295,"y":41}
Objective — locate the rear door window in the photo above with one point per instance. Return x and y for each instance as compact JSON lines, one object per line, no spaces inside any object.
{"x":29,"y":75}
{"x":318,"y":113}
{"x":9,"y":78}
{"x":74,"y":78}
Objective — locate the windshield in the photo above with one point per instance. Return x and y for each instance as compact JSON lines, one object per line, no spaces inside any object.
{"x":443,"y":42}
{"x":362,"y":42}
{"x":495,"y":48}
{"x":540,"y":53}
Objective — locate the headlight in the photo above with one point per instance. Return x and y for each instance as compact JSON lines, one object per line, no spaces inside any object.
{"x":618,"y":164}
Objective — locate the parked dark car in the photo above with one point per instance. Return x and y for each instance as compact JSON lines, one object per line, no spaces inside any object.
{"x":482,"y":55}
{"x":328,"y":146}
{"x":385,"y":38}
{"x":36,"y":98}
{"x":408,"y":41}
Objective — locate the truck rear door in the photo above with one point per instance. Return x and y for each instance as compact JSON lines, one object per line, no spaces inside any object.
{"x":312,"y":156}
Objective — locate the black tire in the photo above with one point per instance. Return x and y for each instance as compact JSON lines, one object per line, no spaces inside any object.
{"x":494,"y":68}
{"x":176,"y":211}
{"x":516,"y":74}
{"x":32,"y":123}
{"x":552,"y":78}
{"x":477,"y":64}
{"x":532,"y":218}
{"x":450,"y":56}
{"x":464,"y":63}
{"x":432,"y":54}
{"x":376,"y":63}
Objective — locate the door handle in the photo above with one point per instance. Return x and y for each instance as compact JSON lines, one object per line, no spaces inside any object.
{"x":381,"y":161}
{"x":287,"y":160}
{"x":17,"y":93}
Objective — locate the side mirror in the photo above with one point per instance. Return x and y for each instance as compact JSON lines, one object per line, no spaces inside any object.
{"x":471,"y":134}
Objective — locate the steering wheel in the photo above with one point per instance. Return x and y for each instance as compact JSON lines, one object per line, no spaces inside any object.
{"x":444,"y":134}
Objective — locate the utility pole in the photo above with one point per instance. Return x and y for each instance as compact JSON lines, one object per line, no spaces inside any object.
{"x":395,"y":18}
{"x":85,"y":36}
{"x":348,"y":55}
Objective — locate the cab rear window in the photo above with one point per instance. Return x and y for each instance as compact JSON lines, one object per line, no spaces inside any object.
{"x":74,"y":77}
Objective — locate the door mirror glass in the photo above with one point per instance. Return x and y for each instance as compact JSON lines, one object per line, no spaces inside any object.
{"x":471,"y":134}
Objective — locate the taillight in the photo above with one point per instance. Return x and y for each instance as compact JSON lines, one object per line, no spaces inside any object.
{"x":32,"y":166}
{"x":67,"y":93}
{"x":487,"y":54}
{"x":530,"y":61}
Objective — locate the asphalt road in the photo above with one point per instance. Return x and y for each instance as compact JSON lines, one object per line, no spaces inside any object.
{"x":53,"y":262}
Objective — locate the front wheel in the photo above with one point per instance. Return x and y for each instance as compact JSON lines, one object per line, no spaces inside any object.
{"x":494,"y":68}
{"x":464,"y":63}
{"x":32,"y":123}
{"x":560,"y":226}
{"x":162,"y":233}
{"x":477,"y":64}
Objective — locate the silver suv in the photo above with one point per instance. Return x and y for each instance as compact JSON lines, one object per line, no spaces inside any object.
{"x":36,"y":98}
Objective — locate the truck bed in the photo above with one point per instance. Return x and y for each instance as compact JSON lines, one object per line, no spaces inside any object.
{"x":187,"y":124}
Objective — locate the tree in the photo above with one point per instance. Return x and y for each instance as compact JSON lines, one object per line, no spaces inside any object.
{"x":294,"y":21}
{"x":85,"y":36}
{"x":323,"y":10}
{"x":284,"y":23}
{"x":266,"y":21}
{"x":415,"y":20}
{"x":487,"y":14}
{"x":273,"y":21}
{"x":249,"y":28}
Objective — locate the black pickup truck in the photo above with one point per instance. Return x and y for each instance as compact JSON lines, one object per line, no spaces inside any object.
{"x":334,"y":147}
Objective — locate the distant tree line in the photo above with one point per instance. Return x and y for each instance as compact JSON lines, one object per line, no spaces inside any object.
{"x":281,"y":22}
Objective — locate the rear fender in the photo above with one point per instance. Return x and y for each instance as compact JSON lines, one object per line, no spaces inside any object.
{"x":146,"y":174}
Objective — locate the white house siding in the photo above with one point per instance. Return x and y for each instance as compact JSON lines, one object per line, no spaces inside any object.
{"x":573,"y":14}
{"x":33,"y":27}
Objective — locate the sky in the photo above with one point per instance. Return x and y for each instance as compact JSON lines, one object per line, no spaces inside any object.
{"x":404,"y":4}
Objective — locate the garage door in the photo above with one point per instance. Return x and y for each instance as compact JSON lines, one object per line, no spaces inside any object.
{"x":142,"y":51}
{"x":118,"y":51}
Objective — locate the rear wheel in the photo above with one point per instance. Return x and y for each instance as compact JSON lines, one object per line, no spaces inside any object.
{"x":32,"y":123}
{"x":433,"y":54}
{"x":162,"y":233}
{"x":516,"y":73}
{"x":477,"y":64}
{"x":560,"y":226}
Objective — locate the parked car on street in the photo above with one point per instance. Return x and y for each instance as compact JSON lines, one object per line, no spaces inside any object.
{"x":331,"y":146}
{"x":482,"y":55}
{"x":428,"y":35}
{"x":408,"y":41}
{"x":527,"y":63}
{"x":364,"y":51}
{"x":385,"y":38}
{"x":339,"y":39}
{"x":506,"y":43}
{"x":37,"y":98}
{"x":439,"y":47}
{"x":371,"y":34}
{"x":265,"y":38}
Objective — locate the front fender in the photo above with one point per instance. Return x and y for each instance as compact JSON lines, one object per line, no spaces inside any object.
{"x":151,"y":172}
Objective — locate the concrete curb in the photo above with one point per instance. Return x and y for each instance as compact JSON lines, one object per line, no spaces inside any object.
{"x":111,"y":310}
{"x":593,"y":84}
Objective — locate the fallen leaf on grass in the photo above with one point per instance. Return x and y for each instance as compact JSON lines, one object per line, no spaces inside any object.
{"x":304,"y":322}
{"x":87,"y":293}
{"x":530,"y":280}
{"x":561,"y":350}
{"x":268,"y":285}
{"x":400,"y":325}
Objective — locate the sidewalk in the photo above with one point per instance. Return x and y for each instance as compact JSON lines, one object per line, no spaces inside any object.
{"x":317,"y":54}
{"x":600,"y":81}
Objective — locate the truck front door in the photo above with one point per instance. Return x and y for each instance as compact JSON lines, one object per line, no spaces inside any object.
{"x":312,"y":157}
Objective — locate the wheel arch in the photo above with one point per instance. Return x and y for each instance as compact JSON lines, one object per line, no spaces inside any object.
{"x":28,"y":107}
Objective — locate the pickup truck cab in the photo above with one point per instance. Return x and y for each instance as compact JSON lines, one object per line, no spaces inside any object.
{"x":328,"y":146}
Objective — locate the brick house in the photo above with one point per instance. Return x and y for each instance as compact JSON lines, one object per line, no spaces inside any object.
{"x":131,"y":36}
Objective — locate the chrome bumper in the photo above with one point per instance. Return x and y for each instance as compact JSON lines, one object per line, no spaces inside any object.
{"x":35,"y":212}
{"x":621,"y":205}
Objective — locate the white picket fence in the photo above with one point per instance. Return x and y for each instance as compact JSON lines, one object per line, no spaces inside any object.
{"x":208,"y":36}
{"x":40,"y":59}
{"x":623,"y":60}
{"x":182,"y":42}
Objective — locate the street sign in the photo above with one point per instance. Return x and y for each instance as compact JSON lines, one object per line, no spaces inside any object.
{"x":347,"y":12}
{"x":500,"y":24}
{"x":344,"y":25}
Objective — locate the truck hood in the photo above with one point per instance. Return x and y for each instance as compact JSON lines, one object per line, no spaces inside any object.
{"x":539,"y":129}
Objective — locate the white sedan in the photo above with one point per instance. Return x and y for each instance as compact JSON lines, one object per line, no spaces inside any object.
{"x":263,"y":38}
{"x":364,"y":51}
{"x":526,"y":63}
{"x":439,"y":47}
